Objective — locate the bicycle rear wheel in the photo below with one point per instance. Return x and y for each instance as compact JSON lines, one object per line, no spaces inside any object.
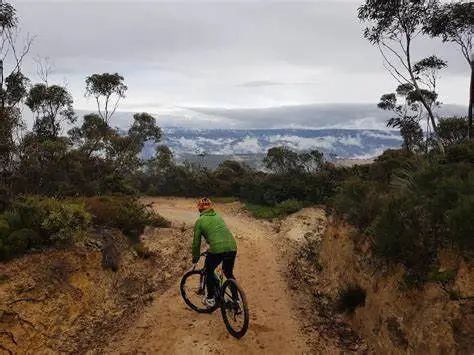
{"x":234,"y":309}
{"x":193,"y":291}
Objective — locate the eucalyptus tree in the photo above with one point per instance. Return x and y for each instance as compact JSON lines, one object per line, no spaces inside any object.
{"x":52,"y":106}
{"x":393,"y":26}
{"x":406,"y":115}
{"x":13,"y":87}
{"x":454,"y":22}
{"x":107,"y":89}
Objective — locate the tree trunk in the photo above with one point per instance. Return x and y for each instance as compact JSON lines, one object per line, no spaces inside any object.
{"x":471,"y":99}
{"x":422,"y":99}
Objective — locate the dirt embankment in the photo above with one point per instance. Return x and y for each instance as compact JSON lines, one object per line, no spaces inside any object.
{"x":70,"y":301}
{"x":437,"y":318}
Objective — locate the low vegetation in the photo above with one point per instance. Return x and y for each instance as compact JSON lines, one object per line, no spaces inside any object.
{"x":33,"y":222}
{"x":124,"y":213}
{"x":281,"y":209}
{"x":413,"y":205}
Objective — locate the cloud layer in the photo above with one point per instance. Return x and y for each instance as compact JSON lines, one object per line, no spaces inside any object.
{"x":229,"y":54}
{"x":341,"y":143}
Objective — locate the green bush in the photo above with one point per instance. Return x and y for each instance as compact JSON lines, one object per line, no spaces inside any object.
{"x":399,"y":234}
{"x":443,"y":276}
{"x":289,"y":206}
{"x":66,"y":221}
{"x":4,"y":228}
{"x":262,"y":211}
{"x":54,"y":219}
{"x":281,"y":209}
{"x":34,"y":221}
{"x":460,"y":223}
{"x":13,"y":219}
{"x":412,"y":206}
{"x":17,"y":243}
{"x":461,"y":152}
{"x":124,"y":213}
{"x":358,"y":200}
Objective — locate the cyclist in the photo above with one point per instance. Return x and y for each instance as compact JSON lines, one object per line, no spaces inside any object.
{"x":222,"y":246}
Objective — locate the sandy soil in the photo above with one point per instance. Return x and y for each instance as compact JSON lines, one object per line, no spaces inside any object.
{"x":168,"y":326}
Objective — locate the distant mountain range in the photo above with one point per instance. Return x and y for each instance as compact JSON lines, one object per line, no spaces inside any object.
{"x":211,"y":146}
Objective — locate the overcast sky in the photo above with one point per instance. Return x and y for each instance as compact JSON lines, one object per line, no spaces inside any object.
{"x":226,"y":55}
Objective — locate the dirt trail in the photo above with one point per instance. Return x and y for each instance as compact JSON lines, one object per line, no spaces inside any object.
{"x":169,"y":327}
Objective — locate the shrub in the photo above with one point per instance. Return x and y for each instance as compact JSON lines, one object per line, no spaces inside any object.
{"x":17,"y":243}
{"x":453,"y":130}
{"x":349,"y":298}
{"x":281,"y":209}
{"x":35,"y":221}
{"x":289,"y":206}
{"x":53,"y":219}
{"x":13,"y":219}
{"x":358,"y":200}
{"x":461,"y":153}
{"x":460,"y":223}
{"x":262,"y":211}
{"x":398,"y":232}
{"x":4,"y":228}
{"x":66,"y":221}
{"x":124,"y":213}
{"x":443,"y":276}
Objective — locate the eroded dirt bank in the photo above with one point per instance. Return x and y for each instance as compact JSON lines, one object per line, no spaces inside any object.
{"x":69,"y":301}
{"x":437,"y":318}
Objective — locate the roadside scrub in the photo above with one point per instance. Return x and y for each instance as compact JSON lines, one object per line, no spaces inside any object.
{"x":125,"y":213}
{"x":413,"y":206}
{"x":33,"y":222}
{"x":278,"y":210}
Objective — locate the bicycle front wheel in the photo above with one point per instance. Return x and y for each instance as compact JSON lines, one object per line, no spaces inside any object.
{"x":234,"y":309}
{"x":194,"y":291}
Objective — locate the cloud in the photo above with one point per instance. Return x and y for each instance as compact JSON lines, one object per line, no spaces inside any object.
{"x":383,"y":135}
{"x":205,"y":54}
{"x":260,"y":83}
{"x":265,"y":83}
{"x":247,"y":145}
{"x":338,"y":142}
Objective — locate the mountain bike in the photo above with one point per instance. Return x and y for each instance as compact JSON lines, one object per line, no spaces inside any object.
{"x":230,"y":298}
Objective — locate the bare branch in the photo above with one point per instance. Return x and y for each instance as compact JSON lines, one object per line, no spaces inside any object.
{"x":396,"y":54}
{"x":115,"y":106}
{"x":394,"y":68}
{"x":26,"y":48}
{"x":391,"y":73}
{"x":44,"y":68}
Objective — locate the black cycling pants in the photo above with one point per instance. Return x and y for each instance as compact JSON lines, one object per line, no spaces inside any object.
{"x":212,"y":261}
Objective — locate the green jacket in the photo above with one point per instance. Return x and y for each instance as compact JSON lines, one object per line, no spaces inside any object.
{"x":217,"y":235}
